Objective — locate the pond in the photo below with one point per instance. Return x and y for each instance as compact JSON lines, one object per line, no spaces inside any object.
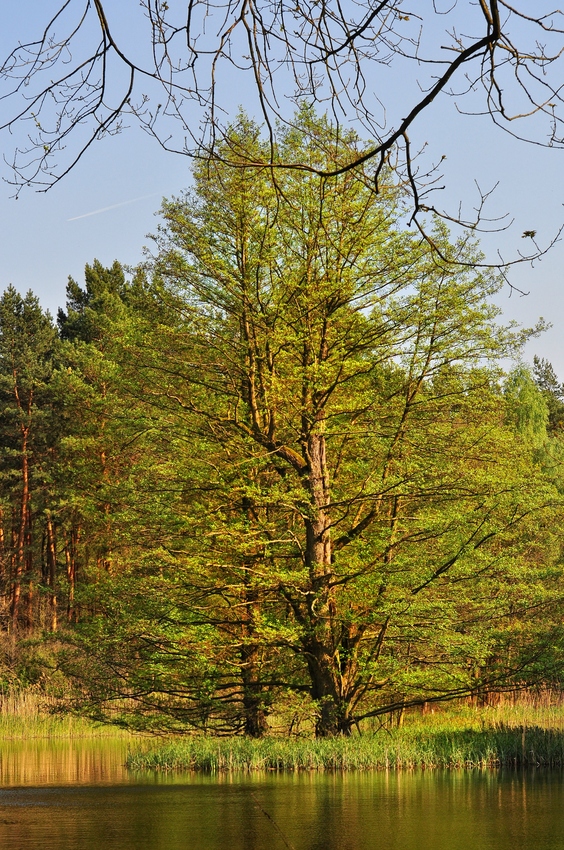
{"x":78,"y":796}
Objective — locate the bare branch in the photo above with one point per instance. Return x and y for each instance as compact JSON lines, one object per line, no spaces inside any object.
{"x":82,"y":77}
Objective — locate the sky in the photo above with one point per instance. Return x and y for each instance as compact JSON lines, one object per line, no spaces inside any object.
{"x":106,"y":207}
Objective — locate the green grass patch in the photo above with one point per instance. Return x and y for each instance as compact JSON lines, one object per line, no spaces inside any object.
{"x":459,"y":738}
{"x":405,"y":749}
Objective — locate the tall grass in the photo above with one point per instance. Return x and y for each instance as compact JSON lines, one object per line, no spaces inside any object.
{"x":543,"y":708}
{"x":406,"y":749}
{"x":521,"y":734}
{"x":29,"y":713}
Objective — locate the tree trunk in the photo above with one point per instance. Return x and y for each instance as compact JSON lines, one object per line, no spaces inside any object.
{"x":52,"y":573}
{"x":30,"y":589}
{"x":332,"y":716}
{"x":319,"y":642}
{"x":21,"y":534}
{"x":71,"y":569}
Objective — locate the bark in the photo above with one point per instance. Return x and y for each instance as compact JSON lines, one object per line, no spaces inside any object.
{"x":319,"y":642}
{"x":71,"y":570}
{"x":332,"y":716}
{"x":21,"y":533}
{"x":30,"y":590}
{"x":52,"y":573}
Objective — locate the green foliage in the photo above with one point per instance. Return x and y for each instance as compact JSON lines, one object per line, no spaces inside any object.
{"x":315,"y":485}
{"x":27,"y":347}
{"x":528,"y":411}
{"x":280,"y":468}
{"x":552,"y":391}
{"x":29,"y":428}
{"x":90,"y":310}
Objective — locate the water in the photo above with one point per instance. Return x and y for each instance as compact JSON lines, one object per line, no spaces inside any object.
{"x":79,"y":796}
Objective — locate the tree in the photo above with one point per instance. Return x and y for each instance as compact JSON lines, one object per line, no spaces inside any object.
{"x":87,"y":70}
{"x":29,"y":438}
{"x":552,"y":390}
{"x":527,"y":408}
{"x":93,"y":465}
{"x":356,"y":517}
{"x":90,"y":309}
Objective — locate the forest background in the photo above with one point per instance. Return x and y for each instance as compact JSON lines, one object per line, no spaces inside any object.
{"x":280,"y":475}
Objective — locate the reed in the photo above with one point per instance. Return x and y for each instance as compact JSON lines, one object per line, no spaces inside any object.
{"x":403,"y":750}
{"x":522,"y":734}
{"x":28,"y":713}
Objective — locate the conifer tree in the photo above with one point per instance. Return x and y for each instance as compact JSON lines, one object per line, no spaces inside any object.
{"x":28,"y":425}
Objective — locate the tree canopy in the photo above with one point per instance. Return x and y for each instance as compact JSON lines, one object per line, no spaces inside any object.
{"x":277,"y":475}
{"x":347,"y":504}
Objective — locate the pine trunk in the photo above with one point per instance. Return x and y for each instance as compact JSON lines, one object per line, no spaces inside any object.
{"x":21,"y":534}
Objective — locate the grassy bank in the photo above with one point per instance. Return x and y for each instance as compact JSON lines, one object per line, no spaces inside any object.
{"x":466,"y":738}
{"x":527,"y":732}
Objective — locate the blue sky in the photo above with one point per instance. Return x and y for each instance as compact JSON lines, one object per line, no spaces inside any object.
{"x":47,"y":237}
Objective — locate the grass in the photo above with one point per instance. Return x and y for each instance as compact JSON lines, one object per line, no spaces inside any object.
{"x":528,"y":731}
{"x":27,"y":713}
{"x":520,"y":735}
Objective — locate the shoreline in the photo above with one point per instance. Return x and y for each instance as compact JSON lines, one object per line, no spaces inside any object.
{"x":529,"y":732}
{"x":402,"y":750}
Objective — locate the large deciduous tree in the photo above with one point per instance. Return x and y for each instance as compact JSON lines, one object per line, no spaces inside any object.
{"x":356,"y":517}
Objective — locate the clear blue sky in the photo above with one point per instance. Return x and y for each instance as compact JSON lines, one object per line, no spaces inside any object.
{"x":42,"y":245}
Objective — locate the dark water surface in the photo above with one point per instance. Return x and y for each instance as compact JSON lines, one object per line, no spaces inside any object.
{"x":78,"y":796}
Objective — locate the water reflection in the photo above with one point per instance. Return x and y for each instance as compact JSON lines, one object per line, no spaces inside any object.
{"x":59,"y":761}
{"x":80,"y":797}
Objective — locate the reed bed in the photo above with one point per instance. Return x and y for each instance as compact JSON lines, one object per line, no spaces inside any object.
{"x":462,"y":749}
{"x":506,"y":735}
{"x":29,"y":713}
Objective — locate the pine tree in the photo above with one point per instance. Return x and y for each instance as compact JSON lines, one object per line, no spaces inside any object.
{"x":552,"y":390}
{"x":29,"y":435}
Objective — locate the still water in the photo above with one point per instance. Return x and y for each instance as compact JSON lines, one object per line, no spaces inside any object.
{"x":78,"y":796}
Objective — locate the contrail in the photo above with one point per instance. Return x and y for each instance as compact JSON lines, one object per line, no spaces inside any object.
{"x":113,"y":206}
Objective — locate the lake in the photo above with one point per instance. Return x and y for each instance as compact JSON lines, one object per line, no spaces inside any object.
{"x":77,"y":795}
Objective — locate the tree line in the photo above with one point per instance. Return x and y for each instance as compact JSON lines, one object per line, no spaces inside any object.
{"x":279,"y":470}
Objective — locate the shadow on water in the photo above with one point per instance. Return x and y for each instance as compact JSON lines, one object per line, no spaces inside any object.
{"x":77,"y":795}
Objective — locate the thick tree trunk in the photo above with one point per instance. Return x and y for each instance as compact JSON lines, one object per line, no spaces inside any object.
{"x":333,"y":717}
{"x":320,"y":641}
